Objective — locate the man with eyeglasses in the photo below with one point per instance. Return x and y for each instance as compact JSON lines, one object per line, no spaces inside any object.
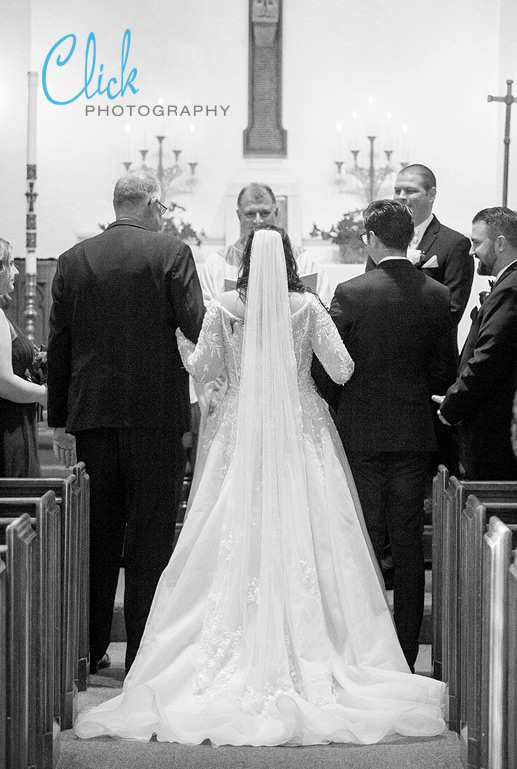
{"x":118,"y":394}
{"x":256,"y":204}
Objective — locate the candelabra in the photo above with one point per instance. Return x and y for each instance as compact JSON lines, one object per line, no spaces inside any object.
{"x":168,"y":174}
{"x":370,"y":177}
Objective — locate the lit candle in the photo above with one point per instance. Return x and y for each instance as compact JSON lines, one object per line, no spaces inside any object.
{"x":339,"y":142}
{"x":127,"y":128}
{"x":160,"y":102}
{"x":389,"y":136}
{"x":144,"y":147}
{"x":31,"y":118}
{"x":370,"y":123}
{"x":31,"y":264}
{"x":176,"y":133}
{"x":404,"y":155}
{"x":192,"y":146}
{"x":354,"y":137}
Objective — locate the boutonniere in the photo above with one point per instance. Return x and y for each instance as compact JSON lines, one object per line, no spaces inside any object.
{"x":483,"y":294}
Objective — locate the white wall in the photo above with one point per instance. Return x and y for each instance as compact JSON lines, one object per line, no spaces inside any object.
{"x":507,"y":71}
{"x":431,"y":63}
{"x":14,"y":64}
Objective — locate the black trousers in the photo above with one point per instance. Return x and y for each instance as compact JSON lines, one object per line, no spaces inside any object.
{"x":391,"y":488}
{"x":136,"y":477}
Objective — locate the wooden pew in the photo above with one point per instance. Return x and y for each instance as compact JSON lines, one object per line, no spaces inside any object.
{"x":73,"y":596}
{"x":497,"y":554}
{"x":45,"y":517}
{"x":449,"y":499}
{"x":18,"y":554}
{"x":440,"y":483}
{"x":3,"y":658}
{"x":512,"y":666}
{"x":83,"y":669}
{"x":474,"y":522}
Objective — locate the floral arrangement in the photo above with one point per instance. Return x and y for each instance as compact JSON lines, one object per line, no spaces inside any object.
{"x":38,"y":370}
{"x":347,"y":230}
{"x":180,"y":229}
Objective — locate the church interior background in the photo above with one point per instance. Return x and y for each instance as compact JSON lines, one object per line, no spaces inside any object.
{"x":414,"y":74}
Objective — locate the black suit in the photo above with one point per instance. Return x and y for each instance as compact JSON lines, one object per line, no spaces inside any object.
{"x":455,"y":264}
{"x":481,"y":399}
{"x":397,"y":326}
{"x":455,"y":269}
{"x":116,"y":381}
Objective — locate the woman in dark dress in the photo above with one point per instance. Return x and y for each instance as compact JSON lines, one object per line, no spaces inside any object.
{"x":18,"y":396}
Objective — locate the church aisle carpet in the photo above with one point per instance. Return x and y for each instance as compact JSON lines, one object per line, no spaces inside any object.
{"x":103,"y":753}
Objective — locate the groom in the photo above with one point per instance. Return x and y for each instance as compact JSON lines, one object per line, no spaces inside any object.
{"x":396,"y":324}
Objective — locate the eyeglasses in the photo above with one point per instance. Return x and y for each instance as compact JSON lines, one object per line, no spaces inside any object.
{"x":364,"y":237}
{"x":163,"y":209}
{"x":251,"y":215}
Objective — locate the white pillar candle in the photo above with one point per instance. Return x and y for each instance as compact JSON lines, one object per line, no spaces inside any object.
{"x":31,"y":118}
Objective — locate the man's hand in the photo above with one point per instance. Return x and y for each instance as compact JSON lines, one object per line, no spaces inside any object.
{"x":64,"y":447}
{"x":440,"y":399}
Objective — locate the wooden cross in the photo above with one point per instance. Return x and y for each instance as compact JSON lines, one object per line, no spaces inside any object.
{"x":508,"y":100}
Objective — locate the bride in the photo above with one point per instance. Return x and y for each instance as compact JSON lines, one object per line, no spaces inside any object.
{"x":270,"y":624}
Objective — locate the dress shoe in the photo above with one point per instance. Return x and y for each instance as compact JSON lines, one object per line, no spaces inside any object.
{"x":104,"y":662}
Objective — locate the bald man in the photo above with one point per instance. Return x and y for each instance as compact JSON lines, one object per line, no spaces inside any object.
{"x":256,"y":204}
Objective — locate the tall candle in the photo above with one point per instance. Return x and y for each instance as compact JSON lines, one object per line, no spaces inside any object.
{"x":404,"y":154}
{"x":339,"y":143}
{"x":354,"y":136}
{"x":31,"y":118}
{"x":31,"y":264}
{"x":388,"y":143}
{"x":192,"y":147}
{"x":144,"y":147}
{"x":370,"y":123}
{"x":127,"y":129}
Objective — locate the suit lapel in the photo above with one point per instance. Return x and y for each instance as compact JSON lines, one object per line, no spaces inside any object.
{"x":477,"y":318}
{"x":428,"y":239}
{"x":505,"y":275}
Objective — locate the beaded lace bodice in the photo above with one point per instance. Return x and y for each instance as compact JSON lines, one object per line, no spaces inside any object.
{"x":219,"y":348}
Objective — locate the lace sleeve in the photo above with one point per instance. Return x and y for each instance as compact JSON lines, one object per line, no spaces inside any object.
{"x":205,"y":360}
{"x":328,"y":345}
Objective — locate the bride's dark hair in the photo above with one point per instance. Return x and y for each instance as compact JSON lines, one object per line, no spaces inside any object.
{"x":293,"y":279}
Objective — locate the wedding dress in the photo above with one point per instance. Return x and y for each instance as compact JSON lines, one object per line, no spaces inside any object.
{"x":270,"y":625}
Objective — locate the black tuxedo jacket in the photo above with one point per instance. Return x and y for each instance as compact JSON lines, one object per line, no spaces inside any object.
{"x":113,"y":360}
{"x":396,"y":324}
{"x":455,"y":266}
{"x":481,"y":399}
